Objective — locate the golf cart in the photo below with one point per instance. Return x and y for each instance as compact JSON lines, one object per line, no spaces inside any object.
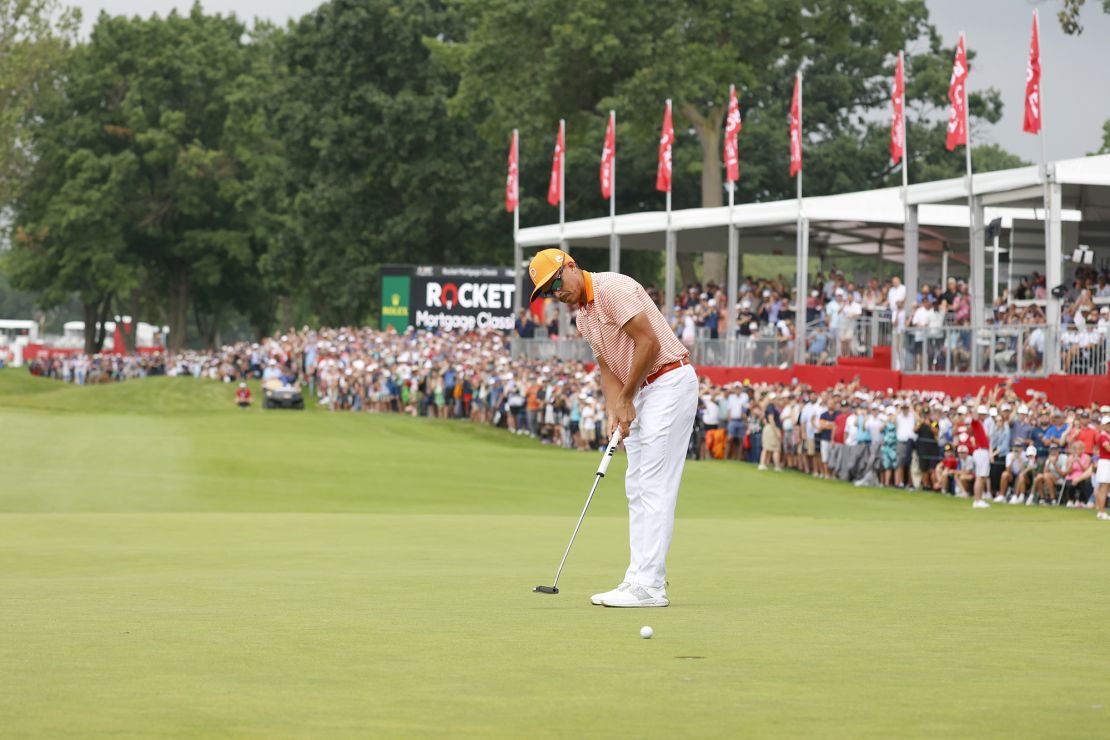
{"x":278,"y":395}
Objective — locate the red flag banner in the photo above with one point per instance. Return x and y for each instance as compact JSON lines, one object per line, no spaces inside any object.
{"x":1032,"y":123}
{"x":796,"y":128}
{"x":957,"y":96}
{"x":512,"y":182}
{"x":608,"y":157}
{"x":898,"y":119}
{"x":555,"y":187}
{"x":666,"y":139}
{"x":732,"y":131}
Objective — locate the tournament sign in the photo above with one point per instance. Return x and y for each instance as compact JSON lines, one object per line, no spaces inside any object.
{"x":463,"y":298}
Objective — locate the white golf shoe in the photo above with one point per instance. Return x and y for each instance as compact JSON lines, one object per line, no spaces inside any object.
{"x":981,"y":505}
{"x":636,"y":595}
{"x":1102,"y":515}
{"x":596,"y":599}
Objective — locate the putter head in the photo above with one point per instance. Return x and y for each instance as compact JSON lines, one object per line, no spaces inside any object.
{"x":546,"y":590}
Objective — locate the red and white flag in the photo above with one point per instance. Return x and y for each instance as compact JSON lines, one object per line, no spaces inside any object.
{"x":666,"y":139}
{"x":1032,"y":123}
{"x":512,"y":182}
{"x":608,"y":157}
{"x":732,"y":131}
{"x":898,"y":119}
{"x":957,"y":96}
{"x":555,"y":186}
{"x":796,"y":127}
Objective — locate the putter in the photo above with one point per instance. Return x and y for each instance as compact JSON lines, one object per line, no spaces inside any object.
{"x":601,"y":468}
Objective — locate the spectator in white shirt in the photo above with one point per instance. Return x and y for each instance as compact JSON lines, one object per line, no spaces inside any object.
{"x":896,"y":294}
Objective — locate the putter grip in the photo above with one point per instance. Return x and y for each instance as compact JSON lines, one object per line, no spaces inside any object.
{"x":608,"y":456}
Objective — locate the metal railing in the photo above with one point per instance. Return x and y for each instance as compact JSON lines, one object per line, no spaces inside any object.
{"x":572,"y":350}
{"x":1000,"y":350}
{"x":744,"y":351}
{"x":944,"y":350}
{"x":856,"y":337}
{"x":1083,"y":353}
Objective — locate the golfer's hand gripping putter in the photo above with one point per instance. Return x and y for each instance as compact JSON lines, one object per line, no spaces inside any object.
{"x":601,"y":468}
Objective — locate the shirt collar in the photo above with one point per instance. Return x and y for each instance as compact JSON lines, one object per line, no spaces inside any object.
{"x":589,"y":280}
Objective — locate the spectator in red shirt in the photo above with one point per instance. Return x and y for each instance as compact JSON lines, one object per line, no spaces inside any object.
{"x":1087,"y":433}
{"x":1102,"y":472}
{"x":980,"y":455}
{"x":243,"y":396}
{"x":945,"y":469}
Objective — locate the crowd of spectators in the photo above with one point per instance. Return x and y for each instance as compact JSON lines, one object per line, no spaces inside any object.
{"x":847,"y":317}
{"x":996,"y":446}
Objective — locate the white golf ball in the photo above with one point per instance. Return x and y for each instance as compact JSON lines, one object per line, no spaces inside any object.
{"x":646,"y":632}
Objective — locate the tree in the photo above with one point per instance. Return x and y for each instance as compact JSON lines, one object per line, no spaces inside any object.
{"x":71,"y":236}
{"x":1069,"y":15}
{"x":34,"y":38}
{"x":586,"y":56}
{"x":377,"y":172}
{"x":131,"y":166}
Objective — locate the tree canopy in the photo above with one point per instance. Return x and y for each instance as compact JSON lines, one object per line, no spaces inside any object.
{"x":203,"y":173}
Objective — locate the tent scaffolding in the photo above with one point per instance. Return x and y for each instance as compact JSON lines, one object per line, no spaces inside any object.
{"x":922,"y":234}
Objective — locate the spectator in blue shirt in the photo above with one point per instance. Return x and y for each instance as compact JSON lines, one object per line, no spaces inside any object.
{"x":1057,"y":430}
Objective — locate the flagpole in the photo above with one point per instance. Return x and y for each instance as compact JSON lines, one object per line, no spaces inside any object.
{"x":1044,"y":156}
{"x":669,"y":292}
{"x":970,"y":183}
{"x":800,"y":170}
{"x":614,"y":263}
{"x":731,"y":282}
{"x":562,"y":183}
{"x":733,"y":288}
{"x":905,"y":169}
{"x":518,"y":299}
{"x":975,"y":277}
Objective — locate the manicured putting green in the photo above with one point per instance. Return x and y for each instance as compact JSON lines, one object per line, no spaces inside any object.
{"x":170,"y":565}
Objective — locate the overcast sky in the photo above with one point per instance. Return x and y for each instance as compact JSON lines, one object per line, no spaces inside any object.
{"x":1073,"y":86}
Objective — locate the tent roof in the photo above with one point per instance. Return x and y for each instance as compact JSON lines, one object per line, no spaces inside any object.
{"x":858,"y":222}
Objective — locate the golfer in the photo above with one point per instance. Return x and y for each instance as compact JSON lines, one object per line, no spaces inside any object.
{"x":651,"y":392}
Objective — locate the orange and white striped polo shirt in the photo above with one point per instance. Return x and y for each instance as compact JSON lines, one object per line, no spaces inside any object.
{"x":612,"y":300}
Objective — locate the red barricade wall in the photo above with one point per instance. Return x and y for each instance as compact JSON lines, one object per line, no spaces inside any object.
{"x":1062,"y":390}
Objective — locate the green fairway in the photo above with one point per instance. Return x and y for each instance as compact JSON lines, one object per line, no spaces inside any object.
{"x":172,"y":565}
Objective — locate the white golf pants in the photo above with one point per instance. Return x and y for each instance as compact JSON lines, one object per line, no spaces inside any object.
{"x":656,"y":446}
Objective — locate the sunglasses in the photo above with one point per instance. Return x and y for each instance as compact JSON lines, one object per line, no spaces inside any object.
{"x":555,"y":285}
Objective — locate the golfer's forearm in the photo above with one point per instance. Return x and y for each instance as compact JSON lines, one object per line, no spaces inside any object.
{"x":610,"y":386}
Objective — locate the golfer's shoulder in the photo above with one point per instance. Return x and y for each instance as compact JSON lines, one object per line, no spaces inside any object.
{"x":613,"y":288}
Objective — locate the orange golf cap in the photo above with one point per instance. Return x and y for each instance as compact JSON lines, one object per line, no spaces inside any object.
{"x":544,"y":266}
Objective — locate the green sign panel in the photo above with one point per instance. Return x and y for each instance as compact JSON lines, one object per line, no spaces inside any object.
{"x":395,"y":302}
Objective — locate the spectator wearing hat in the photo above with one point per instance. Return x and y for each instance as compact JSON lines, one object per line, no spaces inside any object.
{"x":772,"y":435}
{"x":964,"y":476}
{"x":1085,"y":431}
{"x":1051,"y":477}
{"x":1020,"y":471}
{"x":905,"y":422}
{"x":243,"y":396}
{"x":944,"y":471}
{"x":980,"y":454}
{"x":1055,"y":431}
{"x":826,"y":423}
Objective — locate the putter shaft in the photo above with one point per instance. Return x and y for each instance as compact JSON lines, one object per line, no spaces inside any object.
{"x":597,"y":479}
